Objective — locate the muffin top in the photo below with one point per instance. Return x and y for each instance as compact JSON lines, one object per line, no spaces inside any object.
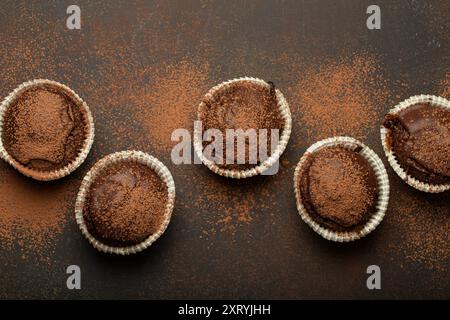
{"x":44,"y":129}
{"x":243,"y":105}
{"x":338,"y":188}
{"x":420,"y":139}
{"x":126,"y":203}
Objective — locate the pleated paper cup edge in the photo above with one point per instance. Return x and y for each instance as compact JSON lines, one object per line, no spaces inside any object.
{"x":125,"y":156}
{"x":82,"y":155}
{"x":285,"y":112}
{"x":382,"y":189}
{"x":390,"y":155}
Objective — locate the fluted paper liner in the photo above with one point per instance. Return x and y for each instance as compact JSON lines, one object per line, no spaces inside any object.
{"x":382,"y":189}
{"x":89,"y":132}
{"x":285,"y":113}
{"x":123,"y":156}
{"x":413,"y":182}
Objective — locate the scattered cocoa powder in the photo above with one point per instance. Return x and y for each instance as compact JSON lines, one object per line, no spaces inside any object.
{"x":116,"y":86}
{"x":29,"y":55}
{"x":136,"y":103}
{"x":424,"y":233}
{"x":444,"y":86}
{"x":224,"y":207}
{"x":344,"y":96}
{"x":215,"y":201}
{"x":33,"y":214}
{"x":437,"y":15}
{"x":167,"y":99}
{"x":224,"y":211}
{"x":169,"y":102}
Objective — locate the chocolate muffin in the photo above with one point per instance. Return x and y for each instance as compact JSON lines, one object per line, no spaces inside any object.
{"x":44,"y":128}
{"x":419,"y":137}
{"x":243,"y":105}
{"x":338,"y":188}
{"x":126,"y":203}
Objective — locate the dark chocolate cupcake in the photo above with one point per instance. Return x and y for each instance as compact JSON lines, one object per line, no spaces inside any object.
{"x":416,"y":138}
{"x":341,"y":188}
{"x":47,"y":130}
{"x":244,"y":104}
{"x":125,"y":202}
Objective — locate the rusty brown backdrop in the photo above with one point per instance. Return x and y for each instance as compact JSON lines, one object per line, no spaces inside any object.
{"x":272,"y":254}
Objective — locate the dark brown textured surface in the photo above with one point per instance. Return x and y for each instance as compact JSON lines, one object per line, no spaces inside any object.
{"x":128,"y":60}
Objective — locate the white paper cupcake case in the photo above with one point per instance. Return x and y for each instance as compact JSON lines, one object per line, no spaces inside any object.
{"x":137,"y":157}
{"x":89,"y":139}
{"x":285,"y":112}
{"x":413,"y":182}
{"x":382,"y":187}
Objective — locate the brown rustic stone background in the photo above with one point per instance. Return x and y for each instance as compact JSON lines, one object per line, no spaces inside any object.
{"x":142,"y":66}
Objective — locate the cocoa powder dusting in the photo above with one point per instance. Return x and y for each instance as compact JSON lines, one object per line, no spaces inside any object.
{"x":338,"y":188}
{"x":126,"y":203}
{"x":245,"y":106}
{"x":224,"y":209}
{"x":33,"y":214}
{"x":425,"y":234}
{"x":344,"y":96}
{"x":224,"y":212}
{"x":167,"y":99}
{"x":444,"y":86}
{"x":129,"y":93}
{"x":163,"y":98}
{"x":170,"y":101}
{"x":44,"y":129}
